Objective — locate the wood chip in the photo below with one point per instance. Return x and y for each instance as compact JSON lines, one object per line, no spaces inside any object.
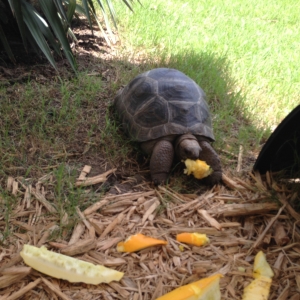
{"x":80,"y":247}
{"x":55,"y":289}
{"x":210,"y":220}
{"x":77,"y":233}
{"x":116,"y":286}
{"x":86,"y":170}
{"x":150,"y":210}
{"x":96,"y":206}
{"x":280,"y":235}
{"x":94,"y":180}
{"x":112,"y":225}
{"x":24,"y":290}
{"x":234,"y":210}
{"x":272,"y":221}
{"x":7,"y":280}
{"x":231,"y":183}
{"x":41,"y":198}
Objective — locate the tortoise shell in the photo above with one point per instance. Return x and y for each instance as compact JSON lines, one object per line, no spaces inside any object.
{"x":163,"y":102}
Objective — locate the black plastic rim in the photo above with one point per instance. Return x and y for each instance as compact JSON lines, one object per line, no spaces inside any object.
{"x":281,"y":152}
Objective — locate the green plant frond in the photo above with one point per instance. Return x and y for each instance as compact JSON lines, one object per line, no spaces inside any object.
{"x":72,"y":35}
{"x":79,"y":9}
{"x":29,"y":19}
{"x":61,"y":10}
{"x":91,"y":4}
{"x":112,"y":12}
{"x":43,"y":25}
{"x":52,"y":29}
{"x":50,"y":12}
{"x":6,"y":45}
{"x":87,"y":12}
{"x":105,"y":18}
{"x":62,"y":14}
{"x":32,"y":41}
{"x":129,"y":5}
{"x":102,"y":30}
{"x":16,"y":7}
{"x":71,"y":10}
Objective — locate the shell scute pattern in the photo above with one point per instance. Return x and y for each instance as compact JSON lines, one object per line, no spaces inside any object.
{"x":163,"y":102}
{"x":139,"y":92}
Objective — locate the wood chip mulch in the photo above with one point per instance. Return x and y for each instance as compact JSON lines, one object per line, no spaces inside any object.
{"x":240,"y":218}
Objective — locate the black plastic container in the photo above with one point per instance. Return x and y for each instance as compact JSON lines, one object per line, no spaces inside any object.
{"x":281,"y":152}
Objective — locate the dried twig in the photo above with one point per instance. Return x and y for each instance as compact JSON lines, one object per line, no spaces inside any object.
{"x":94,"y":180}
{"x":213,"y":222}
{"x":262,"y":235}
{"x":231,"y":210}
{"x":240,"y":158}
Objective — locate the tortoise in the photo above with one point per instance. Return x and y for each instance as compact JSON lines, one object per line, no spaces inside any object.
{"x":167,"y":113}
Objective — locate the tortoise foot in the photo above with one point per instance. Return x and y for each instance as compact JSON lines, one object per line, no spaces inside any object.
{"x":161,"y":161}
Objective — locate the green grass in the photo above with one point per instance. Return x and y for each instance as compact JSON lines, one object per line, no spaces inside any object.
{"x":56,"y":128}
{"x":257,"y":41}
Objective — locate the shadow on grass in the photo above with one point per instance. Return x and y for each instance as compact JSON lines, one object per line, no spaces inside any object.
{"x":47,"y":123}
{"x":232,"y":127}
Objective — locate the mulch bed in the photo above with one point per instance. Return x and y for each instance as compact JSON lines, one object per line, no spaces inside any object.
{"x":240,"y":218}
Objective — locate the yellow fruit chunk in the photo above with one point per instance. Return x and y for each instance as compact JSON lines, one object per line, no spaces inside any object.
{"x":195,"y":238}
{"x":259,"y":288}
{"x":204,"y":289}
{"x":138,"y":242}
{"x":64,"y":267}
{"x":261,"y":266}
{"x":198,"y":168}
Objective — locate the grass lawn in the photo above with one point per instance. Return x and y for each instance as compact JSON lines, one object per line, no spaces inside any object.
{"x":244,"y":54}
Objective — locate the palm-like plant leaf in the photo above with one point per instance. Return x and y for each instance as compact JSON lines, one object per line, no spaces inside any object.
{"x":112,"y":12}
{"x":16,"y":7}
{"x":106,"y":18}
{"x":60,"y":9}
{"x":71,"y":10}
{"x":46,"y":32}
{"x":50,"y":12}
{"x":6,"y":46}
{"x":87,"y":12}
{"x":35,"y":29}
{"x":29,"y":19}
{"x":128,"y":4}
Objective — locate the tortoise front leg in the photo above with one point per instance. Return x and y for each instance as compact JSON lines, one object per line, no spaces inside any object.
{"x":161,"y":161}
{"x":209,"y":155}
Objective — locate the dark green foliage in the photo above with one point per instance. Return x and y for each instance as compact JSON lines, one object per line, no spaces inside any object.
{"x":45,"y":25}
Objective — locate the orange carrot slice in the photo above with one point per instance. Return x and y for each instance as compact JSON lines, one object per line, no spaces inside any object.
{"x":195,"y":238}
{"x":204,"y":289}
{"x":138,"y":242}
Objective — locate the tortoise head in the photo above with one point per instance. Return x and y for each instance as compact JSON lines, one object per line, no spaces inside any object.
{"x":187,"y":146}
